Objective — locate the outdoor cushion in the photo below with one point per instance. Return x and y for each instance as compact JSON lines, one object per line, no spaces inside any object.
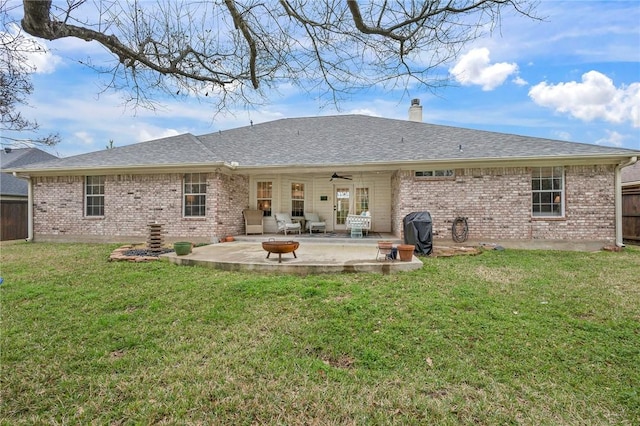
{"x":312,"y":217}
{"x":284,"y":222}
{"x":313,"y":222}
{"x":253,"y":221}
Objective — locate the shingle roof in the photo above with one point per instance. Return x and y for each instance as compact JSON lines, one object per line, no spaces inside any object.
{"x":631,"y":173}
{"x":329,"y":141}
{"x":181,"y":149}
{"x":358,"y":139}
{"x":18,"y":157}
{"x":10,"y":185}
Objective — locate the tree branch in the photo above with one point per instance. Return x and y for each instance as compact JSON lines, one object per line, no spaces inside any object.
{"x":37,"y":23}
{"x":341,"y":46}
{"x":246,"y":32}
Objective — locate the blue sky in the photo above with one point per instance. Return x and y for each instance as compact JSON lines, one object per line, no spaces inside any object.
{"x":574,"y":76}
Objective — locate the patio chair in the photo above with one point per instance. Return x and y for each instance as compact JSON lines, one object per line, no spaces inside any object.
{"x":286,"y":224}
{"x":253,"y":221}
{"x":313,"y":223}
{"x":362,"y":221}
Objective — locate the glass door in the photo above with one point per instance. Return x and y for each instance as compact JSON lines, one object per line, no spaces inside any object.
{"x":343,"y":194}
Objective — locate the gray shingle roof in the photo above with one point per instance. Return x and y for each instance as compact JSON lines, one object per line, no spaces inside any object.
{"x":332,"y":140}
{"x":181,"y":149}
{"x":18,"y":157}
{"x":631,"y":173}
{"x":358,"y":139}
{"x":10,"y":185}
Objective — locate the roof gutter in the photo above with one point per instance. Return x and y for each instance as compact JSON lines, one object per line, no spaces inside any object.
{"x":120,"y":169}
{"x":618,"y":198}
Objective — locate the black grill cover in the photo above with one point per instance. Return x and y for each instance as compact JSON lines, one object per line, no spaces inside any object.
{"x":418,"y":231}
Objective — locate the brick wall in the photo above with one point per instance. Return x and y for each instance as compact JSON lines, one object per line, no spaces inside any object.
{"x":590,"y":206}
{"x":133,"y":201}
{"x":497,"y":203}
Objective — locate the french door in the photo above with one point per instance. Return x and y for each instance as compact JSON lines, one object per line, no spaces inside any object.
{"x":349,"y":199}
{"x":342,"y":207}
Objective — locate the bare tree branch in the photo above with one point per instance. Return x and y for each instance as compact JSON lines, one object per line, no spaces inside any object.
{"x":233,"y":48}
{"x":16,"y":86}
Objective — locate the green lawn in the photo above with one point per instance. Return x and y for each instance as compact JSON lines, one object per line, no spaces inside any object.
{"x":505,"y":337}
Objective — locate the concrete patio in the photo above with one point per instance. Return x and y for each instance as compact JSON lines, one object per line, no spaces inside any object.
{"x":316,"y":254}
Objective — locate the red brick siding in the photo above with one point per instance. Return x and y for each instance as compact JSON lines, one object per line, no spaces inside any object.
{"x":590,"y":206}
{"x":133,"y":201}
{"x":497,"y":203}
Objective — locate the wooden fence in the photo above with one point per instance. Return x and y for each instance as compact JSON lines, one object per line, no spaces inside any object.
{"x":631,"y":214}
{"x":13,"y":220}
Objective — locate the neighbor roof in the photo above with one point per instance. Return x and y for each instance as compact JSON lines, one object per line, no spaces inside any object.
{"x":329,"y":141}
{"x":14,"y":158}
{"x":631,"y":174}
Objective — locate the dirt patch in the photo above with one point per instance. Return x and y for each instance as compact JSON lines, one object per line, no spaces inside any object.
{"x":442,"y":251}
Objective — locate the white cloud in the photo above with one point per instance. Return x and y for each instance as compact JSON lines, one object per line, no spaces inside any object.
{"x":613,"y":138}
{"x":520,"y":81}
{"x":562,"y":135}
{"x":596,"y":97}
{"x":84,"y":138}
{"x":364,"y":111}
{"x":147,"y":133}
{"x":475,"y":68}
{"x":37,"y":58}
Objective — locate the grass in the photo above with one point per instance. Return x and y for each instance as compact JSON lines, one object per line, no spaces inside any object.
{"x":512,"y":337}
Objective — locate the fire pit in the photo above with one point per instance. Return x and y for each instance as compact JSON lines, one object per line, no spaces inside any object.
{"x":280,"y":247}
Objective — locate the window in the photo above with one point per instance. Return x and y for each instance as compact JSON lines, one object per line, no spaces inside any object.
{"x":195,"y":194}
{"x":297,"y":199}
{"x":264,"y":194}
{"x":362,"y":200}
{"x":547,"y":185}
{"x":94,"y":195}
{"x":435,"y":173}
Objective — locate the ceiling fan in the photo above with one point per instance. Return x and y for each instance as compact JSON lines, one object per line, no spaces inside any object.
{"x":337,"y":176}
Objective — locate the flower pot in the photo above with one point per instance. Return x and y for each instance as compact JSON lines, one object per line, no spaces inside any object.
{"x":406,"y":252}
{"x":182,"y":248}
{"x":385,"y":245}
{"x":229,"y":239}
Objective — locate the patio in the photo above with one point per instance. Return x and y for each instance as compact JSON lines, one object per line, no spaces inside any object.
{"x":318,"y":253}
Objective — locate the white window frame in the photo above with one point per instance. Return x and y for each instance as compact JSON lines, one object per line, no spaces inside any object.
{"x":194,"y":187}
{"x":264,"y":203}
{"x":296,"y":189}
{"x":361,"y":200}
{"x":547,"y":192}
{"x":94,"y":196}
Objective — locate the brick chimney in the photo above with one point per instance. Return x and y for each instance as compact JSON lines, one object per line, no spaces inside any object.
{"x":415,"y":111}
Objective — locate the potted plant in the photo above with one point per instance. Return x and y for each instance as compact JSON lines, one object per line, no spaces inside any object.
{"x":406,"y":252}
{"x":385,"y":245}
{"x":182,"y":248}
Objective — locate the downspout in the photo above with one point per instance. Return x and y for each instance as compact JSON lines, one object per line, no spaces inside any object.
{"x":30,"y":210}
{"x":618,"y":199}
